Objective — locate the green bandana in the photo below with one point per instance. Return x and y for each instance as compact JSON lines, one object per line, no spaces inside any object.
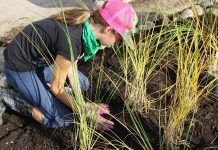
{"x":90,"y":44}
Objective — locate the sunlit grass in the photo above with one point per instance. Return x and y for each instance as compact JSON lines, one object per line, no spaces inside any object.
{"x":193,"y":43}
{"x":195,"y":51}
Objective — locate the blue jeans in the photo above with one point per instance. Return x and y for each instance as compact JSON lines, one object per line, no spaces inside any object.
{"x":33,"y":86}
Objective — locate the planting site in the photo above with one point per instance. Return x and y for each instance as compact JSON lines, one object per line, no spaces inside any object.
{"x":19,"y":132}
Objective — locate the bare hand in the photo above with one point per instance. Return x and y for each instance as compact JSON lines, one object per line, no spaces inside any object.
{"x":95,"y":112}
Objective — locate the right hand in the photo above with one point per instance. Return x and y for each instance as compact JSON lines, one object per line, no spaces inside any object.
{"x":95,"y":111}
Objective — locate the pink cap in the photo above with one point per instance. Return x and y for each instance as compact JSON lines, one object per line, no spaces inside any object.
{"x":121,"y":17}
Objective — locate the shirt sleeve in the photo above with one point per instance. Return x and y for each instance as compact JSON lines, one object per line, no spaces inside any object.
{"x":63,"y":46}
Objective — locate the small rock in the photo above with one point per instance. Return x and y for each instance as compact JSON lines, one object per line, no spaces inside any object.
{"x":215,"y":11}
{"x":199,"y":10}
{"x":12,"y":142}
{"x":147,"y":26}
{"x":208,"y":116}
{"x":98,"y":4}
{"x":188,"y":13}
{"x":207,"y":3}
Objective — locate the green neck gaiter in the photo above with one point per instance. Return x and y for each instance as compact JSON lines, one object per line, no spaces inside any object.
{"x":90,"y":44}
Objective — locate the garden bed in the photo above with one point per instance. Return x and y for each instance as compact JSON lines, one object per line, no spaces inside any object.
{"x":20,"y":132}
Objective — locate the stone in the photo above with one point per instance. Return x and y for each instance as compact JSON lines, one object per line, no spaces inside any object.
{"x":199,"y":10}
{"x":215,"y":9}
{"x":207,"y":3}
{"x":188,"y":13}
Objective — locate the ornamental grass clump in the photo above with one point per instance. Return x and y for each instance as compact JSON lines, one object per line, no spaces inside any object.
{"x":138,"y":65}
{"x":195,"y":50}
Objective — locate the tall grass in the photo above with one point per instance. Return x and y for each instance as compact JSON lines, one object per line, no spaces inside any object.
{"x":138,"y":65}
{"x":192,"y":56}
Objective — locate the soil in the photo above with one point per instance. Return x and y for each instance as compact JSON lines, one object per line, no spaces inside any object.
{"x":19,"y":132}
{"x":205,"y":134}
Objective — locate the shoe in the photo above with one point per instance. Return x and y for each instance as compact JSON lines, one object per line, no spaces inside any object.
{"x":15,"y":101}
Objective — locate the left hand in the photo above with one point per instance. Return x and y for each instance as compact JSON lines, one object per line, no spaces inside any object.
{"x":95,"y":111}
